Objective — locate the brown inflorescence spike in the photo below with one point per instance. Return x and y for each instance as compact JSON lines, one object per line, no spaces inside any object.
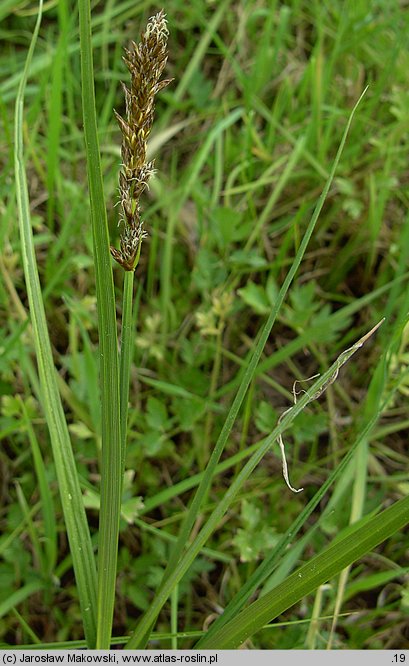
{"x":145,"y":62}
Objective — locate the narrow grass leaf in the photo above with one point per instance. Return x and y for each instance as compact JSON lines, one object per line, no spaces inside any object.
{"x":38,"y":553}
{"x":50,"y":524}
{"x":70,"y":492}
{"x":19,"y":596}
{"x":340,"y":554}
{"x":111,"y":464}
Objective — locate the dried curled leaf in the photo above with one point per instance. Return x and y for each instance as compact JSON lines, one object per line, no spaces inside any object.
{"x":341,"y":360}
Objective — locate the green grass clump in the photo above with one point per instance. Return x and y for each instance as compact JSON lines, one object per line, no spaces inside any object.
{"x":143,"y":502}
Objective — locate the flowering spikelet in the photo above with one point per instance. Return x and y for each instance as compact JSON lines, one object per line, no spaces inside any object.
{"x":145,"y":62}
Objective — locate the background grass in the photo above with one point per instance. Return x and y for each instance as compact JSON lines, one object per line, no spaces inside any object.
{"x":244,"y":139}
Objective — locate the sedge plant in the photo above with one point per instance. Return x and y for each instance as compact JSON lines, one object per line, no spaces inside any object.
{"x":96,"y":577}
{"x":145,"y":62}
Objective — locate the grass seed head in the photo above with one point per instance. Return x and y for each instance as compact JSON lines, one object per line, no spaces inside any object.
{"x":145,"y":62}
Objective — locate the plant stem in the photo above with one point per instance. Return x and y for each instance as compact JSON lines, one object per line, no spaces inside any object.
{"x":126,"y":357}
{"x":111,"y":463}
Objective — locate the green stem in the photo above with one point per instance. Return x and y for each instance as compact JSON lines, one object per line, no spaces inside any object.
{"x":111,"y":459}
{"x":126,"y":357}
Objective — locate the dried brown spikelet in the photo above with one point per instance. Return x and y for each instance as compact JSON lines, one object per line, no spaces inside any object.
{"x":145,"y":62}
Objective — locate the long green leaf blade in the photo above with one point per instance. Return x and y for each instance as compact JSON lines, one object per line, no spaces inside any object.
{"x":71,"y":498}
{"x":111,"y":469}
{"x":341,"y":553}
